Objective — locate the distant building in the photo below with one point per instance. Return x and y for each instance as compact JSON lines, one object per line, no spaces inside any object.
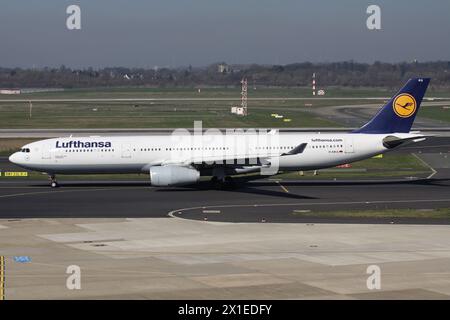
{"x":223,"y":68}
{"x":9,"y":91}
{"x":238,"y":111}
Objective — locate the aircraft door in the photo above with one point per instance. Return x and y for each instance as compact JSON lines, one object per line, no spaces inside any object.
{"x":58,"y":155}
{"x":46,"y":153}
{"x":126,"y":150}
{"x":349,"y":148}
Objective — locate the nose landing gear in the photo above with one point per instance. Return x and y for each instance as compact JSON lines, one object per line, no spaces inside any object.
{"x":53,"y":182}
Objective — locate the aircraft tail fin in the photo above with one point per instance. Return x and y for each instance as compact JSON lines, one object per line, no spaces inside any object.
{"x":399,"y":113}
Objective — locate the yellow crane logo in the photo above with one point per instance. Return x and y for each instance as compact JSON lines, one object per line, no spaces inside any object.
{"x":404,"y":105}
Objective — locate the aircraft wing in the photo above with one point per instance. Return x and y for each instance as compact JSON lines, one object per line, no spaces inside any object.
{"x":220,"y":160}
{"x":233,"y":160}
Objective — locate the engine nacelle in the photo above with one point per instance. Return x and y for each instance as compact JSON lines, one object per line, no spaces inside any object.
{"x":165,"y":176}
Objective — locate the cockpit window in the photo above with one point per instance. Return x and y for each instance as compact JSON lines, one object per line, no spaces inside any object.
{"x":25,"y":150}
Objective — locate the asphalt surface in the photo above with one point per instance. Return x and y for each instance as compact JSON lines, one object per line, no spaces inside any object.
{"x":253,"y":201}
{"x":250,"y":202}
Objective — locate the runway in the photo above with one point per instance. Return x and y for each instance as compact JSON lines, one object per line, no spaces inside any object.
{"x":250,"y":202}
{"x":157,"y":245}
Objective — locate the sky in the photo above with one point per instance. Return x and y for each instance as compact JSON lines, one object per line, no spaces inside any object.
{"x":147,"y":33}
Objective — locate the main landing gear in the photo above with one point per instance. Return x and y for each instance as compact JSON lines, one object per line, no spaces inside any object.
{"x":226,"y":182}
{"x":53,"y":182}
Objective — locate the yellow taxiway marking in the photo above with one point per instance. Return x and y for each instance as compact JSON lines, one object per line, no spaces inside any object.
{"x":283,"y":187}
{"x":2,"y":278}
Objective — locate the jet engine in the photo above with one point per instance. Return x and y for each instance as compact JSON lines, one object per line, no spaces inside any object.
{"x":165,"y":176}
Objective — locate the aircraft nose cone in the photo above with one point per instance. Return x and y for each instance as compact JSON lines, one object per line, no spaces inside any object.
{"x":13,"y":158}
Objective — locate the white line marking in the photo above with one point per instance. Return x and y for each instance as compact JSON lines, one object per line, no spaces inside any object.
{"x":433,"y":172}
{"x":211,"y":211}
{"x":172,"y":213}
{"x":283,"y":187}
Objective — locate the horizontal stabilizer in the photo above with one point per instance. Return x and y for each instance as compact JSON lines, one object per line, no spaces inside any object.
{"x":391,"y":142}
{"x":298,"y":149}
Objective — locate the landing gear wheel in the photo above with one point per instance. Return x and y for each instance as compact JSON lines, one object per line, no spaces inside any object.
{"x":216,"y":183}
{"x":228,"y":183}
{"x":53,"y":182}
{"x":228,"y":179}
{"x":223,"y":183}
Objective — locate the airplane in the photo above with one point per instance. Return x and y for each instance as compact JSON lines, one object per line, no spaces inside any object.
{"x":181,"y":159}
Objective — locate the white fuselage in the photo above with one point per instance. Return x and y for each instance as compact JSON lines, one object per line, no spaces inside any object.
{"x":137,"y":154}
